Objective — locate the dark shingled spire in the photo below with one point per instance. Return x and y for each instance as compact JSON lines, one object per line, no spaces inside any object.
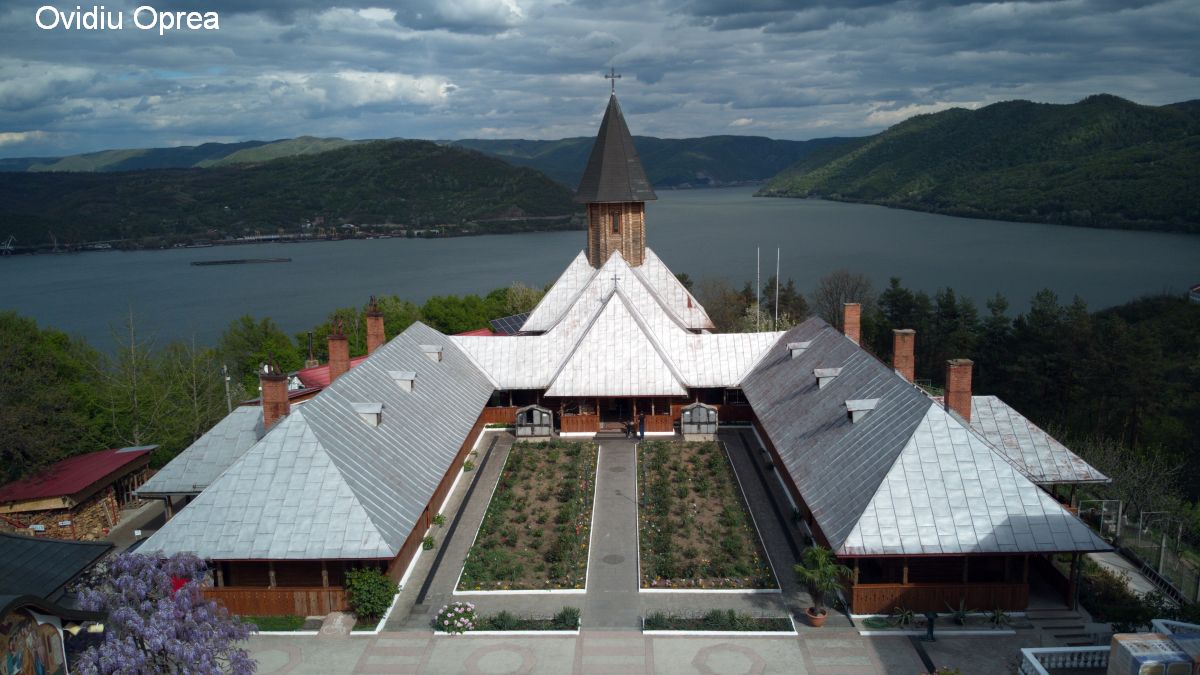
{"x":614,"y":172}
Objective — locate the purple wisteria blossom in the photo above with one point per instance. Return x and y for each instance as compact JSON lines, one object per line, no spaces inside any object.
{"x":158,"y":621}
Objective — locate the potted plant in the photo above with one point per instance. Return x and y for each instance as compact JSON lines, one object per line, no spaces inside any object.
{"x":822,"y":574}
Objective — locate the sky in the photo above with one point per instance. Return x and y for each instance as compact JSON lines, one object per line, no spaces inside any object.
{"x":533,"y":68}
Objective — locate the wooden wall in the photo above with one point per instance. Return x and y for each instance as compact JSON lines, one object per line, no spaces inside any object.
{"x":280,"y":600}
{"x":500,"y":415}
{"x":885,"y":598}
{"x":579,"y":423}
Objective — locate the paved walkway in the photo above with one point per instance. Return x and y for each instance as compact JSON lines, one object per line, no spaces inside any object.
{"x":1114,"y":562}
{"x":612,"y":580}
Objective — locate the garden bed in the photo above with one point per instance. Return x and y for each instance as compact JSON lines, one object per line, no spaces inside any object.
{"x":717,"y":620}
{"x":693,"y":525}
{"x":460,"y":617}
{"x":273,"y":624}
{"x":535,"y":533}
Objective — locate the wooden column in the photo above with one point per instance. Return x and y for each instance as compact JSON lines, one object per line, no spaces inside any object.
{"x":965,"y":560}
{"x":324,"y":575}
{"x":856,"y":571}
{"x":904,"y":578}
{"x":271,"y":573}
{"x":220,"y":575}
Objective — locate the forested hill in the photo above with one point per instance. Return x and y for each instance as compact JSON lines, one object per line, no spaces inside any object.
{"x":1102,"y":162}
{"x":415,"y":183}
{"x":182,"y":157}
{"x":669,"y":162}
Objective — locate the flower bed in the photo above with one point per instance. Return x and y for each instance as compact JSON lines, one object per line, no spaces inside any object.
{"x":693,"y":525}
{"x":534,"y":535}
{"x":460,"y":617}
{"x":726,"y":620}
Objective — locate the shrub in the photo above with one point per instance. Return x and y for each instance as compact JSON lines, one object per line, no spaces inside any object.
{"x":504,"y":621}
{"x":566,"y":619}
{"x":456,"y":618}
{"x":468,"y":465}
{"x":439,"y":520}
{"x":427,"y":542}
{"x":369,"y":592}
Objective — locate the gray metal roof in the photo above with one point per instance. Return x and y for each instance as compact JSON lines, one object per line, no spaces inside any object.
{"x":322,"y":484}
{"x":199,"y":465}
{"x":1036,"y":453}
{"x":614,"y":172}
{"x":834,"y":463}
{"x":42,"y":567}
{"x":905,"y":478}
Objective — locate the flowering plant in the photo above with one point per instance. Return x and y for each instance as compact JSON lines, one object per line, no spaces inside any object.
{"x":456,"y":618}
{"x":158,"y":621}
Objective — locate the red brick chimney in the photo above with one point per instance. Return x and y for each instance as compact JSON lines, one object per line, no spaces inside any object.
{"x":958,"y":386}
{"x":852,"y":321}
{"x":274,"y":395}
{"x":903,"y":343}
{"x":375,"y":334}
{"x":339,"y":352}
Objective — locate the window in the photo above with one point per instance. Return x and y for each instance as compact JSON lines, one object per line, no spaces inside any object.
{"x":616,"y":223}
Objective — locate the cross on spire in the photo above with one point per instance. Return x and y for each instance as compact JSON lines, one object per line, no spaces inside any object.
{"x":613,"y":75}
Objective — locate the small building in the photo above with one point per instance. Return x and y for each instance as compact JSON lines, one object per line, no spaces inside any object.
{"x":80,"y":497}
{"x":534,"y":420}
{"x":698,"y":422}
{"x":35,"y":600}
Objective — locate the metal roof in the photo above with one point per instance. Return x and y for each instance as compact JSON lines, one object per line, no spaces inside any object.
{"x":78,"y":474}
{"x":199,"y":465}
{"x":614,"y":172}
{"x":42,"y":567}
{"x":877,"y":486}
{"x":615,"y":335}
{"x":321,"y":484}
{"x":580,"y":282}
{"x":950,"y":493}
{"x":1033,"y":451}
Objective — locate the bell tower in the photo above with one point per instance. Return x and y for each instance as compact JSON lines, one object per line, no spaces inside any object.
{"x":615,"y":189}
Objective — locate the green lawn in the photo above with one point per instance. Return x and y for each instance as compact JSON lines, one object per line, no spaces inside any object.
{"x":275,"y":623}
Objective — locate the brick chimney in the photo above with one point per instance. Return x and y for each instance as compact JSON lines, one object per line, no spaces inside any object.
{"x":852,"y":321}
{"x":958,"y":386}
{"x":903,"y":344}
{"x":275,"y":404}
{"x":375,"y":334}
{"x":339,"y":352}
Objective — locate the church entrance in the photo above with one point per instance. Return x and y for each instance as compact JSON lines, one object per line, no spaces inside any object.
{"x":615,"y":411}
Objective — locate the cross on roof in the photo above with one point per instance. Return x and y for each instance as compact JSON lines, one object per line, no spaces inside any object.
{"x":616,"y":278}
{"x":614,"y":76}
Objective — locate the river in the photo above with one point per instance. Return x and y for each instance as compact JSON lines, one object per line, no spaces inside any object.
{"x":705,"y":233}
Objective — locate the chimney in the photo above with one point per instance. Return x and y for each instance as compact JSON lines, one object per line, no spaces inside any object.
{"x":903,"y":344}
{"x":852,"y":321}
{"x":375,"y":334}
{"x":274,"y":385}
{"x":339,"y":352}
{"x":958,"y":387}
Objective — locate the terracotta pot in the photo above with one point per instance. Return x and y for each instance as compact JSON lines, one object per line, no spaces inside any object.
{"x":816,"y":620}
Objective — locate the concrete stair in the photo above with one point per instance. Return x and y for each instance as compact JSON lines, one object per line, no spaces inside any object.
{"x":1063,"y":628}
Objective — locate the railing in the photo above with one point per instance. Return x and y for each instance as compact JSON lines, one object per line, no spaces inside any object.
{"x":579,"y":423}
{"x":499,"y":415}
{"x":919,"y":597}
{"x":1042,"y":660}
{"x":280,"y":600}
{"x":658,"y":423}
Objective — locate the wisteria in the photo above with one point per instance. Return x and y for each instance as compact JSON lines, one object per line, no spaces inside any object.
{"x":158,"y":621}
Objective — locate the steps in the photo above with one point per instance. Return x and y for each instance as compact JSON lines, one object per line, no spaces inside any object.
{"x":1063,"y":628}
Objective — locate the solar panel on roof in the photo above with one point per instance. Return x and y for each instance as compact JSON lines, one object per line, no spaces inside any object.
{"x":509,"y":325}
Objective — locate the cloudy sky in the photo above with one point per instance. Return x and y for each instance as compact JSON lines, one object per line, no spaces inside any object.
{"x":532,"y":68}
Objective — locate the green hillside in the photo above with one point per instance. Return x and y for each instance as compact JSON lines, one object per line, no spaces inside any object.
{"x":1102,"y":162}
{"x":131,"y":159}
{"x":669,"y":162}
{"x":415,"y":183}
{"x":304,"y":145}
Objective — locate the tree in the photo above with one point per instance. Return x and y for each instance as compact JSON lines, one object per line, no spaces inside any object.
{"x":838,"y":288}
{"x":454,"y":314}
{"x":725,"y":306}
{"x":248,"y":343}
{"x":196,"y":397}
{"x":822,"y":574}
{"x":520,"y":299}
{"x":136,"y":390}
{"x":50,"y":406}
{"x":793,"y":308}
{"x":158,"y":621}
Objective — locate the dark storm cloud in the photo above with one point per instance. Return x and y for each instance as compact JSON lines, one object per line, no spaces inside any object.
{"x":531,"y":68}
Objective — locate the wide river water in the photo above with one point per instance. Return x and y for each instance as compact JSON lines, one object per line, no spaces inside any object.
{"x":705,"y":233}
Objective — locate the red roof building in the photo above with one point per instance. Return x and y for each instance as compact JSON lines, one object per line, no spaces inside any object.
{"x":318,"y":376}
{"x":77,"y":498}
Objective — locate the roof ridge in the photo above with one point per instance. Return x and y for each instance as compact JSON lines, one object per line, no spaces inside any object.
{"x":641,"y":323}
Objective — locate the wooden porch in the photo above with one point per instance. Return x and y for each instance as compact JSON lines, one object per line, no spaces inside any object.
{"x":937,"y":597}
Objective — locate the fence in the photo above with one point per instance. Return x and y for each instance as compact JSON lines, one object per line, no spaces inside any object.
{"x":1167,"y":558}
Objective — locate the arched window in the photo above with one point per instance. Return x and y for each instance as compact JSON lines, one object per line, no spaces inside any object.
{"x":616,"y":223}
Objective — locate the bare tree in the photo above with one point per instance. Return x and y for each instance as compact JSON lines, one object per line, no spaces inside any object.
{"x":837,"y":288}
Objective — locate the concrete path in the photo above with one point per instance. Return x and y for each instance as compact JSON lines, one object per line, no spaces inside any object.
{"x":1114,"y":562}
{"x":612,"y":583}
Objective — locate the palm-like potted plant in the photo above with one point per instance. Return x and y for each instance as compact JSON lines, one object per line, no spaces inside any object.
{"x":822,"y":574}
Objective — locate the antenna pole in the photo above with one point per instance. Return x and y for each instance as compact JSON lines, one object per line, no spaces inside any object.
{"x":775,"y":325}
{"x":228,"y":399}
{"x":758,"y":288}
